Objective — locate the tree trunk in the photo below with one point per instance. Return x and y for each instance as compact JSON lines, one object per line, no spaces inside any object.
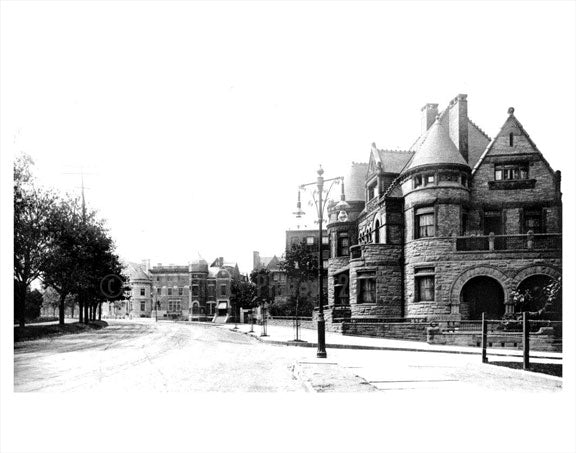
{"x":21,"y":303}
{"x":72,"y":309}
{"x":61,"y":309}
{"x":80,"y":309}
{"x":86,"y":317}
{"x":100,"y":311}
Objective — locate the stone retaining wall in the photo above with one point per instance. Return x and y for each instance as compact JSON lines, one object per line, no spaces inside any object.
{"x":538,"y":342}
{"x":397,"y":331}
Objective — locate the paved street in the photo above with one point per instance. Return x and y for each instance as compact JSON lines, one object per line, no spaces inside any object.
{"x":140,"y":355}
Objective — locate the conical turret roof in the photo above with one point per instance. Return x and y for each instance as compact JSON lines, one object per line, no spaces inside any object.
{"x":437,"y":148}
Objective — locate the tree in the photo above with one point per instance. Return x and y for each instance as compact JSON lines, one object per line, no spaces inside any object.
{"x":301,"y":269}
{"x":261,"y":280}
{"x":33,"y":304}
{"x":242,"y":295}
{"x":82,"y":261}
{"x":548,"y":298}
{"x":32,"y":236}
{"x":51,"y":300}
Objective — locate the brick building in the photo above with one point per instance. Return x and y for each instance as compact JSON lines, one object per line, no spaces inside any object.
{"x":193,"y":291}
{"x":448,"y":228}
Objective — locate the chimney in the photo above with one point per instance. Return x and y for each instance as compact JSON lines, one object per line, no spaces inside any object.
{"x":458,"y":123}
{"x":429,"y":113}
{"x":255,"y":260}
{"x":146,"y":265}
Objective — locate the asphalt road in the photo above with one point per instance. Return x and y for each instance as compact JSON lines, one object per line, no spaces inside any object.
{"x":145,"y":356}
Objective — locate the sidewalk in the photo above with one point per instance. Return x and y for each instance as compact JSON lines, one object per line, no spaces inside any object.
{"x":284,"y":335}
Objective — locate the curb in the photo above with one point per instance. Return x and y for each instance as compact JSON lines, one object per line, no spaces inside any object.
{"x":381,"y":348}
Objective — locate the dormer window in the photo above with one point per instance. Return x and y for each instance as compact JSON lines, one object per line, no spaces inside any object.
{"x":417,"y":181}
{"x":510,"y":172}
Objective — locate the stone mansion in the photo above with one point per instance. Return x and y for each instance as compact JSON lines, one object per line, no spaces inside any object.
{"x":449,"y":228}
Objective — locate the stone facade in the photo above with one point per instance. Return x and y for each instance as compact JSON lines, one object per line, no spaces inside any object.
{"x":449,"y":228}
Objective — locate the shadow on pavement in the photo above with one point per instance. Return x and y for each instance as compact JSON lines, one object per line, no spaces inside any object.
{"x":553,"y":369}
{"x":35,"y":332}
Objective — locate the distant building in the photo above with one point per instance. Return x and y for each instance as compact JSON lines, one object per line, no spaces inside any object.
{"x":193,"y":291}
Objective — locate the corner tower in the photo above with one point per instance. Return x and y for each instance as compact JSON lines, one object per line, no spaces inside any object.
{"x":435,"y":186}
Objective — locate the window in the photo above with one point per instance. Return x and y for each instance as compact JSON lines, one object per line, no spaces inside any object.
{"x":196,"y":290}
{"x":142,"y":305}
{"x":429,"y":179}
{"x":223,"y":290}
{"x":211,"y":290}
{"x":452,"y":177}
{"x":371,"y":191}
{"x":283,"y":278}
{"x":325,"y":240}
{"x":157,"y":278}
{"x":511,"y":139}
{"x":159,"y":291}
{"x":275,"y":276}
{"x":464,"y":223}
{"x":343,"y":244}
{"x":142,"y":291}
{"x":424,"y":284}
{"x":294,"y":241}
{"x":366,"y":289}
{"x":377,"y":232}
{"x":417,"y":181}
{"x":169,"y":291}
{"x":174,"y":305}
{"x":424,"y":222}
{"x":310,"y":240}
{"x":510,"y":172}
{"x":464,"y":180}
{"x":533,"y":221}
{"x":180,"y":291}
{"x":325,"y":264}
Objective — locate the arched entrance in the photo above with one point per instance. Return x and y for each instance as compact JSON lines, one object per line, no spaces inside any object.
{"x":535,"y":285}
{"x":482,"y":294}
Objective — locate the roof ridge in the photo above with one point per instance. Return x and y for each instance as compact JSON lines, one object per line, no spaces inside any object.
{"x":396,"y":150}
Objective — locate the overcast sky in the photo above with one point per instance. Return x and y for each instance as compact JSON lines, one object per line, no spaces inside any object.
{"x":195,"y":123}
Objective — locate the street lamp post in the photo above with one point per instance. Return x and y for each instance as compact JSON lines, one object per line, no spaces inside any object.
{"x":342,"y":206}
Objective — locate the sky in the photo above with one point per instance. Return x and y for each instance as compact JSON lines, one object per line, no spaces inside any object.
{"x":194,"y":123}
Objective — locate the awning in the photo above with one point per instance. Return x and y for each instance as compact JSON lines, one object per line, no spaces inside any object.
{"x":222,"y":305}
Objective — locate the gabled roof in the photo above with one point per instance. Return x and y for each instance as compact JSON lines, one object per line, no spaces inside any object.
{"x":136,"y":272}
{"x":510,"y":124}
{"x":436,"y":148}
{"x":391,"y":161}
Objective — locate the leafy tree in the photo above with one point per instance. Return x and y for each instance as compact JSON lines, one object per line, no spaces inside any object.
{"x":262,"y":282}
{"x":33,"y":304}
{"x":51,"y":300}
{"x":301,"y":268}
{"x":82,"y":261}
{"x":243,"y":295}
{"x":548,"y":298}
{"x":32,"y":236}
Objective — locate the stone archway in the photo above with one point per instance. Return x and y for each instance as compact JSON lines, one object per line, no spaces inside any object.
{"x":479,"y":271}
{"x":539,"y":269}
{"x":482,"y":294}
